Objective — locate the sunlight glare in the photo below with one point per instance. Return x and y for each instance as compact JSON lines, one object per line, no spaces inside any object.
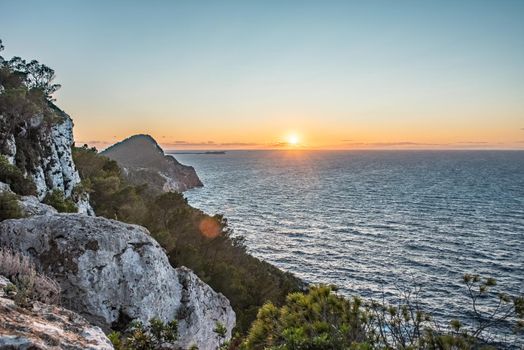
{"x":293,"y":139}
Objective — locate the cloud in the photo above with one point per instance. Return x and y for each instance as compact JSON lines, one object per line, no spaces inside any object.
{"x":279,"y":144}
{"x":472,"y":143}
{"x":179,"y":143}
{"x":458,"y":144}
{"x":391,"y":144}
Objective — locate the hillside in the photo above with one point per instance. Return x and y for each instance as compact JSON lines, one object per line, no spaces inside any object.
{"x":144,"y":161}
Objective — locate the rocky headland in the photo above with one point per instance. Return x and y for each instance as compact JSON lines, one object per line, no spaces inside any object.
{"x":144,"y":161}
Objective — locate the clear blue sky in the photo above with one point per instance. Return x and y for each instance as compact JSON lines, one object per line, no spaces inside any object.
{"x":339,"y":74}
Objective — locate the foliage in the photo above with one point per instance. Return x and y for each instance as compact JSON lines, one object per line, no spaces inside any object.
{"x":57,"y":200}
{"x":34,"y":75}
{"x":9,"y":207}
{"x":221,"y":332}
{"x":191,"y":238}
{"x":30,"y":285}
{"x":157,"y":335}
{"x":405,"y":325}
{"x":26,"y":108}
{"x":492,"y":308}
{"x":318,"y":319}
{"x":14,"y":177}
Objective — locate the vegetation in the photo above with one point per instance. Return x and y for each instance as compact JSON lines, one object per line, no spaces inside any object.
{"x":57,"y":200}
{"x":320,"y":319}
{"x":191,"y":238}
{"x":14,"y":177}
{"x":26,"y":90}
{"x":9,"y":208}
{"x":157,"y":335}
{"x":28,"y":284}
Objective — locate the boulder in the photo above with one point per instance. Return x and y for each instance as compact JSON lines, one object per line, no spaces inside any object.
{"x":32,"y":206}
{"x":112,"y":273}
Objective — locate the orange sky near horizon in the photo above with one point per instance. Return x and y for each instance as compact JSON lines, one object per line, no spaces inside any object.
{"x":247,"y":74}
{"x":312,"y":131}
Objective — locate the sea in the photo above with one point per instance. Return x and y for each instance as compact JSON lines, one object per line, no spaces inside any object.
{"x":375,"y":222}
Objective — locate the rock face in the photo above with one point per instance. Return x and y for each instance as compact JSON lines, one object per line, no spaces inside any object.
{"x":113,"y":272}
{"x":46,"y":326}
{"x":52,"y":167}
{"x":143,"y":161}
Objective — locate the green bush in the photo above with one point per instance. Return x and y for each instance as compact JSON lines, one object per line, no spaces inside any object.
{"x":57,"y":200}
{"x":9,"y":207}
{"x":157,"y":335}
{"x":318,"y":319}
{"x":14,"y":177}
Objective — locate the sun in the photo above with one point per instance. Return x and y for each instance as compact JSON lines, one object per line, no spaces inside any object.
{"x":293,"y":139}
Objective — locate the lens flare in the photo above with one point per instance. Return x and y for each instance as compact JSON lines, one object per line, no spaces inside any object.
{"x":209,"y":227}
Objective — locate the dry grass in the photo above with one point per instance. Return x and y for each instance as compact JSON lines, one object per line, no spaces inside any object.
{"x":30,"y":284}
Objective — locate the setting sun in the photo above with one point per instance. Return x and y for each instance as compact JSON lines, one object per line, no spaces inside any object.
{"x":293,"y":139}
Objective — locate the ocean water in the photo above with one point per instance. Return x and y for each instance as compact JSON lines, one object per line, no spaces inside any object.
{"x":375,"y":221}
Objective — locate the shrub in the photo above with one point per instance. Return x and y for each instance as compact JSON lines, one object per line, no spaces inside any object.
{"x":30,"y":285}
{"x":57,"y":200}
{"x":14,"y":177}
{"x":157,"y":335}
{"x":9,"y":207}
{"x":318,"y":319}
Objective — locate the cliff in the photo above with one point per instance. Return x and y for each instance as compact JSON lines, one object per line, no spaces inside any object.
{"x":41,"y":147}
{"x":144,"y":161}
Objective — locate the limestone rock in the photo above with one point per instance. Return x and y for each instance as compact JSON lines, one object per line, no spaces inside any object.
{"x":53,"y":167}
{"x":111,"y":273}
{"x":4,"y":282}
{"x":144,"y":161}
{"x":32,"y":206}
{"x":47,"y":327}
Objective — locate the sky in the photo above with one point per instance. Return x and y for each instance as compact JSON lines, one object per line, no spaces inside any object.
{"x":282,"y":74}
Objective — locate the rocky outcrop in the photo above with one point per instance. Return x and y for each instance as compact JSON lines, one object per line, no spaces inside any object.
{"x":144,"y":161}
{"x":46,"y":327}
{"x":51,"y":166}
{"x":111,"y":273}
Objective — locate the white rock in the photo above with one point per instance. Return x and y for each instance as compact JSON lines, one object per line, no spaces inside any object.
{"x":32,"y":206}
{"x":10,"y":149}
{"x":47,"y":327}
{"x":111,"y":272}
{"x":4,"y":282}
